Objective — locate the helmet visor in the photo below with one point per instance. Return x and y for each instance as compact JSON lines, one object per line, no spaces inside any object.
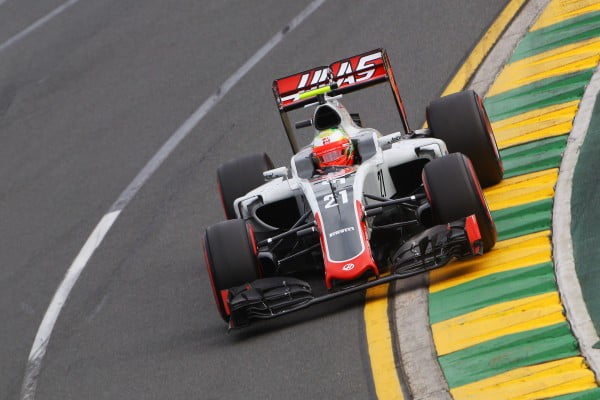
{"x":337,"y":153}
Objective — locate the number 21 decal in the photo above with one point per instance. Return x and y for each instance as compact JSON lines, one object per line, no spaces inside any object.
{"x":330,"y":199}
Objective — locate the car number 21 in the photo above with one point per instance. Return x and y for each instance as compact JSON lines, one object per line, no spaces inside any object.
{"x":329,"y":199}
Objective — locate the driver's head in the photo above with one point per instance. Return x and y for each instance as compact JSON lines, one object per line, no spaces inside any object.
{"x":333,"y":147}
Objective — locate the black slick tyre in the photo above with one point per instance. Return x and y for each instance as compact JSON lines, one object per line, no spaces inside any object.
{"x":461,"y":121}
{"x":230,"y":256}
{"x":454,"y":192}
{"x":237,"y":177}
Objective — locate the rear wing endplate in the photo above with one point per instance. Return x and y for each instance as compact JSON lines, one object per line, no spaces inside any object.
{"x":346,"y":75}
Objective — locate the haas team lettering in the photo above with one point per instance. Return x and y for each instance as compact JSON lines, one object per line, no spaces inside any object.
{"x":363,"y":71}
{"x":344,"y":73}
{"x":318,"y":76}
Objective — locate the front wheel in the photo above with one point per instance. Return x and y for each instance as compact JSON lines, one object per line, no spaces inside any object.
{"x":454,"y":192}
{"x":230,"y":255}
{"x":461,"y":121}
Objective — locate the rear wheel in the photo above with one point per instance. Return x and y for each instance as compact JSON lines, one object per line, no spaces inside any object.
{"x":454,"y":192}
{"x":230,"y":255}
{"x":461,"y":121}
{"x":237,"y":177}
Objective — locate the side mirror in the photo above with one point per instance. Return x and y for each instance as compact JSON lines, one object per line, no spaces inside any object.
{"x":281,"y":172}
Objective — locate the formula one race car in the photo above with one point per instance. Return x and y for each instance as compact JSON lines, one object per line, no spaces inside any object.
{"x":358,"y":207}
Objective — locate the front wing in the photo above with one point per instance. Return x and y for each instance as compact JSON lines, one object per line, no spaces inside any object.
{"x":275,"y":296}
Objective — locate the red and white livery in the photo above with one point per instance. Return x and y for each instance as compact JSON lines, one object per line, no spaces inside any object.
{"x":355,"y":208}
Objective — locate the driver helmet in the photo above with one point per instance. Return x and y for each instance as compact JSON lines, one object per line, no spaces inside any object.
{"x":333,"y":147}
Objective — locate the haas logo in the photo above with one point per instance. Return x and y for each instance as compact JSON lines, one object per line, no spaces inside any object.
{"x":351,"y":71}
{"x":348,"y":267}
{"x":346,"y":72}
{"x":316,"y":76}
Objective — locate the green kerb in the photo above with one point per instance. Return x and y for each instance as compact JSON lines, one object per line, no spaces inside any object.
{"x":567,"y":32}
{"x":534,"y":156}
{"x":592,"y":394}
{"x":524,"y":219}
{"x":492,"y":289}
{"x":540,"y":94}
{"x":509,"y":352}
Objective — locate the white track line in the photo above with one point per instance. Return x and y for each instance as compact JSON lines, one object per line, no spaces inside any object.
{"x":42,"y":338}
{"x":36,"y":25}
{"x":38,"y":350}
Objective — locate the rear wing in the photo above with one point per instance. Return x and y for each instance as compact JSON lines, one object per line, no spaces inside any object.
{"x":343,"y":76}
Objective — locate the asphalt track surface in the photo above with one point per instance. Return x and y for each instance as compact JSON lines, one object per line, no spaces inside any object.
{"x":86,"y":101}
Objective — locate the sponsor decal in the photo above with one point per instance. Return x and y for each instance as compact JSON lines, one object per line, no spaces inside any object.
{"x":315,"y":77}
{"x":340,"y":231}
{"x":348,"y":267}
{"x":331,"y":200}
{"x":346,"y":72}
